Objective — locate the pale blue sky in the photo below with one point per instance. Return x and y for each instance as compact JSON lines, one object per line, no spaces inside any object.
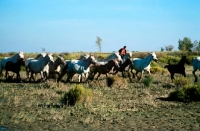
{"x":73,"y":25}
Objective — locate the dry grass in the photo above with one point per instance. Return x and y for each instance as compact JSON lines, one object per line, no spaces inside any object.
{"x":124,"y":106}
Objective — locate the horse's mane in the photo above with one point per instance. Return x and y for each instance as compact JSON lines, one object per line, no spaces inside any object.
{"x":83,"y":57}
{"x":39,"y":55}
{"x":116,"y":54}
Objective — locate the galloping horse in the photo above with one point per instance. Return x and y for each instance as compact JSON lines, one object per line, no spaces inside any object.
{"x":177,"y":68}
{"x":139,"y":65}
{"x":53,"y":66}
{"x":103,"y":69}
{"x":14,"y":59}
{"x":77,"y":66}
{"x":123,"y":66}
{"x":14,"y":67}
{"x":37,"y":66}
{"x":38,"y":57}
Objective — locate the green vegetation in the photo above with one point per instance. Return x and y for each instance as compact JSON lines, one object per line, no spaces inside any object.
{"x":147,"y":81}
{"x":181,"y":81}
{"x":187,"y":94}
{"x":77,"y":94}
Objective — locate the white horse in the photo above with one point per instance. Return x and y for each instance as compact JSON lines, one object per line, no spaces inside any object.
{"x":38,"y":57}
{"x":112,"y":56}
{"x":139,"y":65}
{"x":14,"y":59}
{"x":196,"y":66}
{"x":147,"y":68}
{"x":77,"y":66}
{"x":37,"y":66}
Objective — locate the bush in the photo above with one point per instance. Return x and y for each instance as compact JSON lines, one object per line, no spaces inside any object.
{"x":77,"y":94}
{"x":147,"y":81}
{"x":116,"y":82}
{"x":181,"y":81}
{"x":187,"y":94}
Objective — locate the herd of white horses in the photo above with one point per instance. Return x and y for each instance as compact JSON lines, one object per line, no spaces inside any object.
{"x":84,"y":66}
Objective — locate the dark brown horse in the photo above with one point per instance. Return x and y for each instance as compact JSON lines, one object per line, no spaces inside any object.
{"x":177,"y":68}
{"x":123,"y":66}
{"x":14,"y":67}
{"x":103,"y":69}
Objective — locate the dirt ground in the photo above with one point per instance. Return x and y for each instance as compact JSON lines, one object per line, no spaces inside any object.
{"x":124,"y":106}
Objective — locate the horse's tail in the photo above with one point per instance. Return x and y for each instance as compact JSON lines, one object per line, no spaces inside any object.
{"x":63,"y":72}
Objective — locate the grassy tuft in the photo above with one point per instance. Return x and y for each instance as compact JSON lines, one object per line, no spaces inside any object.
{"x":187,"y":94}
{"x":116,"y":82}
{"x":147,"y":81}
{"x":181,"y":81}
{"x":77,"y":94}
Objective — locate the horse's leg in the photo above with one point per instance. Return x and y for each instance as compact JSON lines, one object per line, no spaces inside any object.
{"x":193,"y":72}
{"x":142,"y":72}
{"x":86,"y":77}
{"x":27,"y":72}
{"x":98,"y":76}
{"x":31,"y":77}
{"x":42,"y":76}
{"x":6,"y":75}
{"x":149,"y":72}
{"x":137,"y":75}
{"x":47,"y":75}
{"x":61,"y":75}
{"x":172,"y":77}
{"x":80,"y":77}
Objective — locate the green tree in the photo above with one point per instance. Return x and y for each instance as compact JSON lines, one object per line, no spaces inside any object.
{"x":169,"y":48}
{"x":162,"y":49}
{"x":98,"y":42}
{"x":185,"y":44}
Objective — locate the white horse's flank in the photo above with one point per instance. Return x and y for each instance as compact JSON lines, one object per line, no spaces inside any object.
{"x":196,"y":66}
{"x":147,"y":68}
{"x":37,"y":66}
{"x":14,"y":59}
{"x":38,"y":57}
{"x":139,"y":65}
{"x":78,"y":66}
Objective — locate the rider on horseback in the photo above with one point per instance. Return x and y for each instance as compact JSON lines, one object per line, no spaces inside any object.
{"x":122,"y":51}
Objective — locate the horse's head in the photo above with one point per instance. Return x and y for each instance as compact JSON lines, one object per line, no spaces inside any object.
{"x":92,"y":59}
{"x":153,"y":54}
{"x":61,"y":60}
{"x":129,"y":54}
{"x":84,"y":57}
{"x":50,"y":58}
{"x":184,"y":60}
{"x":21,"y":55}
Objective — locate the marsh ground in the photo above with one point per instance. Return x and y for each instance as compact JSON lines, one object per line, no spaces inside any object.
{"x":124,"y":106}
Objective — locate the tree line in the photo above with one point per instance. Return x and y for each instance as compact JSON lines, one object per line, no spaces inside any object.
{"x":184,"y":45}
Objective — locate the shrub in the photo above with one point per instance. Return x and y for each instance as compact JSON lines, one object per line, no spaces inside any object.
{"x":77,"y":94}
{"x":187,"y":94}
{"x":181,"y":81}
{"x":117,"y":82}
{"x":147,"y":81}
